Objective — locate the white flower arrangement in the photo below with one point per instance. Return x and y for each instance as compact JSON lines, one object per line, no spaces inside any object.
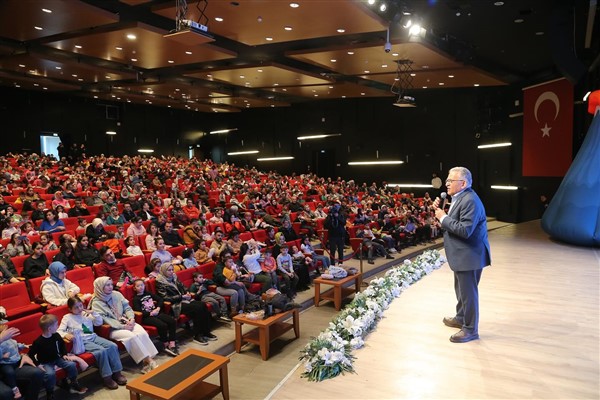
{"x":330,"y":354}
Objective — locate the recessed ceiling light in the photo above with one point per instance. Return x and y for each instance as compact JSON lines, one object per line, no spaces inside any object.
{"x":424,"y":87}
{"x":395,"y":54}
{"x":189,"y":53}
{"x":367,"y":71}
{"x":58,"y":67}
{"x":177,"y":90}
{"x":17,"y":85}
{"x":45,"y":88}
{"x":425,"y":67}
{"x":284,"y":89}
{"x":413,"y":74}
{"x":441,"y":83}
{"x":260,"y":70}
{"x":36,"y":84}
{"x":343,"y":97}
{"x":498,"y":3}
{"x":218,"y":19}
{"x":47,"y":10}
{"x":287,"y":28}
{"x":316,"y":95}
{"x":113,"y":95}
{"x":383,"y":65}
{"x":294,"y":5}
{"x":119,"y":48}
{"x":341,"y":30}
{"x":519,"y":20}
{"x":330,"y":87}
{"x":22,"y":65}
{"x":276,"y":84}
{"x":80,"y":80}
{"x":371,"y":2}
{"x":131,"y":36}
{"x":268,"y":38}
{"x":476,"y":84}
{"x":450,"y":76}
{"x":78,"y":46}
{"x":107,"y":76}
{"x":39,"y":28}
{"x":333,"y":60}
{"x":540,"y":33}
{"x":382,"y":7}
{"x":170,"y":61}
{"x":242,"y":76}
{"x":74,"y":75}
{"x":134,"y":59}
{"x":350,"y":53}
{"x":362,"y":94}
{"x":396,"y":79}
{"x":95,"y":97}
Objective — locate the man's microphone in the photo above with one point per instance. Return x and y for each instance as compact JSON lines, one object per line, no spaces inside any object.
{"x":444,"y":197}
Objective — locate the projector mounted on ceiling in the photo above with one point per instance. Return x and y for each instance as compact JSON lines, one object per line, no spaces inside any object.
{"x":405,"y":101}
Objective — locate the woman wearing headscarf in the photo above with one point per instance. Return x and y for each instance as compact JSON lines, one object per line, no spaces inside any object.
{"x":182,"y":302}
{"x":116,"y":312}
{"x":95,"y":231}
{"x":56,"y":289}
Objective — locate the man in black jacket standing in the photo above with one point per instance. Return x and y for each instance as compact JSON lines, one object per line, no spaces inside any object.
{"x":336,"y":225}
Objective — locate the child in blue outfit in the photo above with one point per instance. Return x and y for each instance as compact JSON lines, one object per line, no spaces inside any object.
{"x":10,"y":360}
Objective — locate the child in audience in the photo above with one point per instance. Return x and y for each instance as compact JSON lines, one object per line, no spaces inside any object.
{"x":105,"y":352}
{"x":132,"y":248}
{"x":120,"y":232}
{"x":200,"y":291}
{"x":112,"y":243}
{"x":299,"y":258}
{"x":203,"y":254}
{"x":82,"y":224}
{"x":269,"y":266}
{"x":153,"y":268}
{"x":189,"y":261}
{"x":49,"y":351}
{"x":286,"y":266}
{"x":10,"y":358}
{"x":150,"y":306}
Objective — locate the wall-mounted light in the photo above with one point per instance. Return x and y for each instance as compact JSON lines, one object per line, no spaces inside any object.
{"x":223,"y":131}
{"x":318,"y":136}
{"x":489,"y":146}
{"x":239,"y":153}
{"x":275,"y":158}
{"x":410,"y":185}
{"x":390,"y":162}
{"x":501,"y":187}
{"x":145,"y":151}
{"x":111,"y":132}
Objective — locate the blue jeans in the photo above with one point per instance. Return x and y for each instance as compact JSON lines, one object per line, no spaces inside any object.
{"x":29,"y":380}
{"x":8,"y":372}
{"x":106,"y":354}
{"x":50,"y":377}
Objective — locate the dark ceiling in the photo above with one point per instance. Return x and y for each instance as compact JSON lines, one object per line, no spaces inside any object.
{"x":267,"y":53}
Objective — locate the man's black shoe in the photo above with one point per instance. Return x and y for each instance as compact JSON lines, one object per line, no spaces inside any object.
{"x":452,"y":322}
{"x":463,"y":337}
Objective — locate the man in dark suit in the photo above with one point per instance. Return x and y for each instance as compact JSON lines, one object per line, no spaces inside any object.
{"x":467,"y":250}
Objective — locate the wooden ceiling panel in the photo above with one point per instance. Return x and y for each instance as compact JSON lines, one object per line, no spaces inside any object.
{"x":333,"y":91}
{"x":33,"y":83}
{"x":18,"y":18}
{"x":252,"y":22}
{"x":442,"y":78}
{"x":78,"y":73}
{"x":176,"y":90}
{"x":248,"y":102}
{"x":372,"y":58}
{"x":148,"y":48}
{"x":261,"y":76}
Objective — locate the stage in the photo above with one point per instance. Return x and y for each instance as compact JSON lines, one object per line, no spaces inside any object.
{"x":539,"y":329}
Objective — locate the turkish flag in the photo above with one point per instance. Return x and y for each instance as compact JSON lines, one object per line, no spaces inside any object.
{"x":548,"y":128}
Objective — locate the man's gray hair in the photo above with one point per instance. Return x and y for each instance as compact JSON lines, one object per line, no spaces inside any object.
{"x":464,"y":173}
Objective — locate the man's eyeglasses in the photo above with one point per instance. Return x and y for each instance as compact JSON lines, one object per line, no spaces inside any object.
{"x":454,"y":180}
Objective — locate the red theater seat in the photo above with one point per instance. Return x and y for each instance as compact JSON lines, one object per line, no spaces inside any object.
{"x":15,"y":299}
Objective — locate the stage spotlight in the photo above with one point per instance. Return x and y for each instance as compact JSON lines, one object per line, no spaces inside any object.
{"x":382,"y":7}
{"x":415,"y":30}
{"x":371,"y":2}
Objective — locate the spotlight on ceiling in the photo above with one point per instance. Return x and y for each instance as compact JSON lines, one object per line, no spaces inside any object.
{"x":371,"y":2}
{"x":382,"y":7}
{"x":414,"y":30}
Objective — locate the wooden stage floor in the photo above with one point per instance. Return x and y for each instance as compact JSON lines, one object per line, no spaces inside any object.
{"x":539,"y":328}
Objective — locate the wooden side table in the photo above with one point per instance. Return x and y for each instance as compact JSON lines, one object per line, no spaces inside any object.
{"x":338,"y":292}
{"x":183,"y":378}
{"x":267,"y":330}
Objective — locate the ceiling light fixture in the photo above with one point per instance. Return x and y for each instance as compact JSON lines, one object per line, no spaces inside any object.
{"x":371,"y":2}
{"x":275,"y":158}
{"x":145,"y":151}
{"x":489,"y":146}
{"x":287,"y":28}
{"x":119,"y":48}
{"x":189,"y":53}
{"x":294,"y":5}
{"x":131,"y":36}
{"x":39,"y":28}
{"x":47,"y":10}
{"x":222,"y":131}
{"x":389,"y":162}
{"x":218,"y":19}
{"x":110,"y":132}
{"x":239,"y":153}
{"x":382,"y":7}
{"x":504,"y":187}
{"x":318,"y":136}
{"x":269,"y":39}
{"x":78,"y":46}
{"x":410,"y":185}
{"x":341,"y":30}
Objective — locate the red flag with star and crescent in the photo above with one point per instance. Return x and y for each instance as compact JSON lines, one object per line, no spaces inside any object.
{"x":548,"y":128}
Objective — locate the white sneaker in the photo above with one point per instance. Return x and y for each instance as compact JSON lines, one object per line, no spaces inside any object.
{"x":393,"y":250}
